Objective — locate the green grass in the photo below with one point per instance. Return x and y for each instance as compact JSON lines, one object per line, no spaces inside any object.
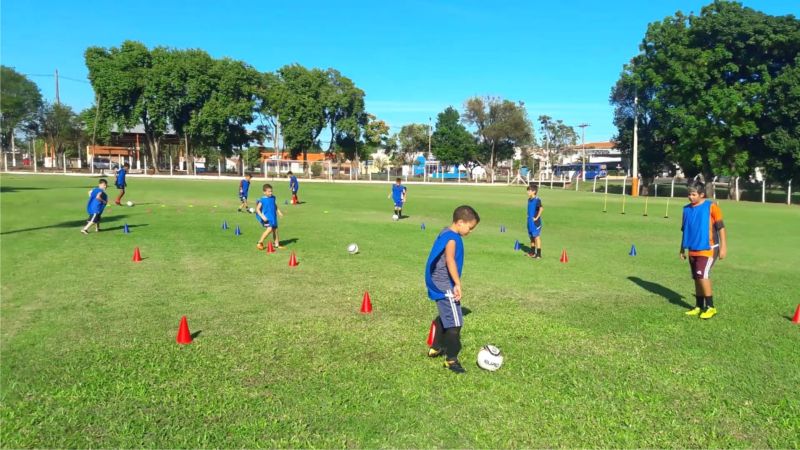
{"x":598,"y":351}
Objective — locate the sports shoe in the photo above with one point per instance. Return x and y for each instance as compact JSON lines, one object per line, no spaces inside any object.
{"x":278,"y":245}
{"x":454,"y":366}
{"x":260,"y":246}
{"x":118,"y":203}
{"x":709,"y":313}
{"x":84,"y":232}
{"x":693,"y":312}
{"x":434,"y":352}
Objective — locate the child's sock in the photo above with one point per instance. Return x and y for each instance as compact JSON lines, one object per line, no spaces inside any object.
{"x":452,"y":342}
{"x":539,"y":252}
{"x":700,"y":301}
{"x":710,"y":301}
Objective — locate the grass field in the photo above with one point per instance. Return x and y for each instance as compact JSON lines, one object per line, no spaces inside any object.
{"x":598,"y":350}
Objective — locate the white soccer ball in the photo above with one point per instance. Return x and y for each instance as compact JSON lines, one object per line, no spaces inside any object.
{"x":252,"y":210}
{"x":352,"y":248}
{"x":490,"y":358}
{"x":395,"y":217}
{"x":130,"y":203}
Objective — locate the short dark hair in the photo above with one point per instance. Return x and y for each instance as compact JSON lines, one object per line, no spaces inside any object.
{"x":533,"y":187}
{"x":289,"y":173}
{"x":126,"y":165}
{"x":248,"y":174}
{"x":466,"y":213}
{"x":696,"y":186}
{"x":102,"y":181}
{"x":266,"y":186}
{"x":398,"y":179}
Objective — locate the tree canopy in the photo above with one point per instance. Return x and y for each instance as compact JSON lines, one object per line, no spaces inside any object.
{"x":20,"y":101}
{"x":452,"y":143}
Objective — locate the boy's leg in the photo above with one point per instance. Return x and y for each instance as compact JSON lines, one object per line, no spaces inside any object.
{"x":452,"y":320}
{"x":119,"y":197}
{"x":264,"y":236}
{"x":538,"y":240}
{"x":85,"y":230}
{"x":275,"y":235}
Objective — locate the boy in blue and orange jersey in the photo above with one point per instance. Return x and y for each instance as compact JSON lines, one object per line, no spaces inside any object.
{"x":98,"y":199}
{"x":398,"y":196}
{"x":443,"y":280}
{"x":705,"y":238}
{"x":120,"y":182}
{"x":244,"y":189}
{"x":267,"y":213}
{"x":534,"y":221}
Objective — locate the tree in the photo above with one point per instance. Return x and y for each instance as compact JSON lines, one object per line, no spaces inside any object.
{"x":412,"y":139}
{"x":703,"y":85}
{"x":300,"y":102}
{"x":60,"y":127}
{"x":452,"y":143}
{"x":501,"y":125}
{"x":344,"y":106}
{"x":557,"y":137}
{"x":20,"y":101}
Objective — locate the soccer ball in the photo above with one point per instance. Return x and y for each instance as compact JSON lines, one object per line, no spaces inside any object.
{"x":352,"y":248}
{"x":490,"y":358}
{"x":395,"y":217}
{"x":130,"y":203}
{"x":252,"y":210}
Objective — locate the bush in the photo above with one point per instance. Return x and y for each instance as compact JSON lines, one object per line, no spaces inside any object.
{"x":316,"y":169}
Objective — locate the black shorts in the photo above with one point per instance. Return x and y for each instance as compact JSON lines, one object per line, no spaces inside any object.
{"x":94,"y":218}
{"x":120,"y":186}
{"x":700,"y":266}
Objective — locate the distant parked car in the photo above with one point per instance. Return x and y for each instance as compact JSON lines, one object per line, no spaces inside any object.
{"x":104,"y":163}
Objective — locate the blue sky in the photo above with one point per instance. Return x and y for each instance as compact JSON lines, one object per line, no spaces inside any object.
{"x":412,"y":58}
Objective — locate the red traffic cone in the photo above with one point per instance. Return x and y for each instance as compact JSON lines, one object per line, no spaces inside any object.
{"x":271,"y":249}
{"x":292,"y":260}
{"x":184,"y":337}
{"x":564,"y":258}
{"x":366,"y":304}
{"x":796,"y":318}
{"x":137,"y":256}
{"x":432,"y":333}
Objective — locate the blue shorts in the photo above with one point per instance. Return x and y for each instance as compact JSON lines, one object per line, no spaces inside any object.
{"x":450,"y":311}
{"x":242,"y":198}
{"x":535,"y":229}
{"x":267,"y":224}
{"x":95,"y":218}
{"x":120,"y":186}
{"x":398,"y":204}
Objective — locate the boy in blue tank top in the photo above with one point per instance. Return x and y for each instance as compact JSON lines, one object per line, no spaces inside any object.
{"x":398,"y":196}
{"x":244,"y":190}
{"x":98,"y":199}
{"x":535,"y":221}
{"x":443,"y":280}
{"x":267,"y":214}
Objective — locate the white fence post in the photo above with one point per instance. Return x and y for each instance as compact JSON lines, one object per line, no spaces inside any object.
{"x":789,"y":193}
{"x":672,"y":188}
{"x":737,"y":189}
{"x":145,"y":164}
{"x":64,"y":161}
{"x":764,"y":190}
{"x":624,"y":184}
{"x":714,"y":188}
{"x":36,"y":164}
{"x":5,"y":162}
{"x":655,"y":187}
{"x":594,"y":184}
{"x":577,"y":183}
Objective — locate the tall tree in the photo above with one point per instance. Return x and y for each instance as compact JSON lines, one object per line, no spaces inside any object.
{"x":60,"y":127}
{"x":704,"y":84}
{"x":20,"y":101}
{"x":501,"y":125}
{"x":344,"y":106}
{"x":412,"y":139}
{"x":452,"y":143}
{"x":300,"y":103}
{"x":556,"y":138}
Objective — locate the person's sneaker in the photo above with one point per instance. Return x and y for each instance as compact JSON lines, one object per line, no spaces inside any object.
{"x":118,"y":203}
{"x":538,"y":256}
{"x":454,"y":366}
{"x":84,"y":232}
{"x":709,"y":313}
{"x":434,"y":352}
{"x":239,"y":210}
{"x":260,"y":246}
{"x":530,"y":255}
{"x":693,"y":312}
{"x":278,"y":245}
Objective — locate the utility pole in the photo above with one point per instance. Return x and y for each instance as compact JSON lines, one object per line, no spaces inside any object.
{"x":583,"y":149}
{"x":58,"y":100}
{"x":430,"y":132}
{"x":635,"y":179}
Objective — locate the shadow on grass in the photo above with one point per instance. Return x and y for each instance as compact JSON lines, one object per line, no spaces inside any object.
{"x":195,"y":334}
{"x":288,"y":241}
{"x":465,"y":310}
{"x":670,"y":295}
{"x":68,"y":224}
{"x":9,"y":189}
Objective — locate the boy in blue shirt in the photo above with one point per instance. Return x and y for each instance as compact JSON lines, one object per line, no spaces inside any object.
{"x":294,"y":186}
{"x":98,"y":199}
{"x":267,"y":213}
{"x":244,"y":189}
{"x":534,"y":221}
{"x":443,"y":280}
{"x":398,"y":195}
{"x":120,"y":182}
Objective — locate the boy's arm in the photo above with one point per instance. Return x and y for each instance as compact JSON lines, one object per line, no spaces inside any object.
{"x":278,"y":210}
{"x":452,"y":269}
{"x":260,"y":214}
{"x":723,"y":243}
{"x":541,"y":208}
{"x":100,"y":198}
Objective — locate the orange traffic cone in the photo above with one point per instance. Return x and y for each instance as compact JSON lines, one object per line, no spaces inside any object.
{"x":432,"y":333}
{"x":564,"y":258}
{"x":271,"y":248}
{"x":796,"y":318}
{"x":366,"y":304}
{"x":137,"y":256}
{"x":292,"y":260}
{"x":184,"y":337}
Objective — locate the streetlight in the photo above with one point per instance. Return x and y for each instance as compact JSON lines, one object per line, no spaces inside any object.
{"x":583,"y":148}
